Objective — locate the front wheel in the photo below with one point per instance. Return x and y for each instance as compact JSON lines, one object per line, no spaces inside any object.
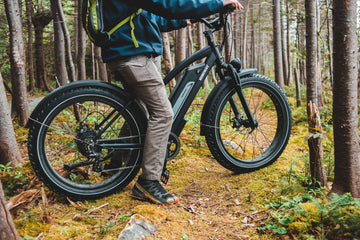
{"x":231,"y":140}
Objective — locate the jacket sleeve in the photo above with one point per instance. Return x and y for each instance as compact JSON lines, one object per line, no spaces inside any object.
{"x":179,"y":9}
{"x":166,"y":25}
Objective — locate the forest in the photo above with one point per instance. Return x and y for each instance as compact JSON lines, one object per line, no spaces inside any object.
{"x":309,"y":48}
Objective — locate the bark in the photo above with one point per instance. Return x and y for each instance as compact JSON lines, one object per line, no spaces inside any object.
{"x":201,"y":44}
{"x":345,"y":113}
{"x":7,"y":228}
{"x":17,"y":60}
{"x":288,"y":80}
{"x":315,"y":146}
{"x":168,"y":63}
{"x":279,"y":76}
{"x":81,"y":51}
{"x":180,"y":46}
{"x":298,"y":88}
{"x":311,"y":52}
{"x":9,"y":150}
{"x":228,"y":44}
{"x":283,"y":49}
{"x":101,"y":66}
{"x":244,"y":34}
{"x":320,"y":101}
{"x":70,"y":62}
{"x":253,"y":37}
{"x":30,"y":55}
{"x":59,"y":46}
{"x":40,"y":20}
{"x":328,"y":39}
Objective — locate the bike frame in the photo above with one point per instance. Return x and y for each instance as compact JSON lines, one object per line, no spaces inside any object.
{"x":193,"y":78}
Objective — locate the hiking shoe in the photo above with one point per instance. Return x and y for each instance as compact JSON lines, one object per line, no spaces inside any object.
{"x":154,"y":192}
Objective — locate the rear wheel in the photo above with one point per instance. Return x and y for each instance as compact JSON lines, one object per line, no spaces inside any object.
{"x":231,"y":140}
{"x":85,"y":144}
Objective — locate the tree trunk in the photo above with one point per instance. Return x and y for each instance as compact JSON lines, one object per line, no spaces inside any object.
{"x":297,"y":85}
{"x":30,"y":55}
{"x":17,"y":59}
{"x":288,"y":80}
{"x":59,"y":46}
{"x":9,"y":150}
{"x":201,"y":44}
{"x":320,"y":101}
{"x":7,"y":228}
{"x":40,"y":20}
{"x":168,"y":63}
{"x":253,"y":37}
{"x":180,"y":46}
{"x":328,"y":39}
{"x":311,"y":52}
{"x":278,"y":65}
{"x":345,"y":105}
{"x":81,"y":52}
{"x":283,"y":47}
{"x":228,"y":44}
{"x":244,"y":35}
{"x":101,"y":66}
{"x":315,"y":146}
{"x":69,"y":59}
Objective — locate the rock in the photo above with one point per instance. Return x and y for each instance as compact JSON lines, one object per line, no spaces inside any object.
{"x":137,"y":229}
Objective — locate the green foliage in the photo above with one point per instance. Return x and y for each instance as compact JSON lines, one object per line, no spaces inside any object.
{"x":12,"y":178}
{"x":308,"y":217}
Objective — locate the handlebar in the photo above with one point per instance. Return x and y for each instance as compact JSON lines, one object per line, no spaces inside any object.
{"x":218,"y":22}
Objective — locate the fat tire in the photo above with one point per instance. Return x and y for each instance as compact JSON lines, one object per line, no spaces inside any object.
{"x":212,"y":127}
{"x":43,"y":168}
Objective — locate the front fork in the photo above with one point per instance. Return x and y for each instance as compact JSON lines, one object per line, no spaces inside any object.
{"x":236,"y":81}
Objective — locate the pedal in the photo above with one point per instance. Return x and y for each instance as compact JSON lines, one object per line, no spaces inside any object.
{"x":165,"y":176}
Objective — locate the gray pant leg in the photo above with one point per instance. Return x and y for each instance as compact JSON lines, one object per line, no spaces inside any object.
{"x":141,"y":74}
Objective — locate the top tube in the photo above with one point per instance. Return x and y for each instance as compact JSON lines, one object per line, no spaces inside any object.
{"x":205,"y":52}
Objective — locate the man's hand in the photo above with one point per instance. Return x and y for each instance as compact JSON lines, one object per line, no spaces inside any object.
{"x":236,"y":3}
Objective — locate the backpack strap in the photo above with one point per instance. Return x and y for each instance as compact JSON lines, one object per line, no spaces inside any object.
{"x":92,"y":18}
{"x":130,"y":20}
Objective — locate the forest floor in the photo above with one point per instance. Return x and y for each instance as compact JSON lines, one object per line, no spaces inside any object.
{"x":214,"y":202}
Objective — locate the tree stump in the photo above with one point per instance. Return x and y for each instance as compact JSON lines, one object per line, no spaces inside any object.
{"x":315,"y":145}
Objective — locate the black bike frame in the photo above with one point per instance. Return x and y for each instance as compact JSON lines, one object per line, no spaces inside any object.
{"x":188,"y":84}
{"x":192,"y":78}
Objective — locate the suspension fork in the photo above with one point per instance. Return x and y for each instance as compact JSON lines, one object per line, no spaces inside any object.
{"x":236,"y":81}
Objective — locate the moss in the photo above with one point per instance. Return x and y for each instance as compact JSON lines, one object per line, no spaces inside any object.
{"x":152,"y":212}
{"x":297,"y":228}
{"x":31,"y":228}
{"x":310,"y":208}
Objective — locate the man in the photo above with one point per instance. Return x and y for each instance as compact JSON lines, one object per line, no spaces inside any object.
{"x":132,"y":55}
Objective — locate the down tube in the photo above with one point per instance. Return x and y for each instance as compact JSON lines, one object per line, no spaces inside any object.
{"x":186,"y":89}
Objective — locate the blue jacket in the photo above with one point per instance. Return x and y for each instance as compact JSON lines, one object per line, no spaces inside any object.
{"x":148,"y":25}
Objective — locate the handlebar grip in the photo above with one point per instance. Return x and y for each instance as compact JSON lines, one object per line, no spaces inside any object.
{"x":228,"y":8}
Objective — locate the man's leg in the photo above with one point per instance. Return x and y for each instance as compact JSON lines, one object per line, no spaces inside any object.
{"x":141,"y":74}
